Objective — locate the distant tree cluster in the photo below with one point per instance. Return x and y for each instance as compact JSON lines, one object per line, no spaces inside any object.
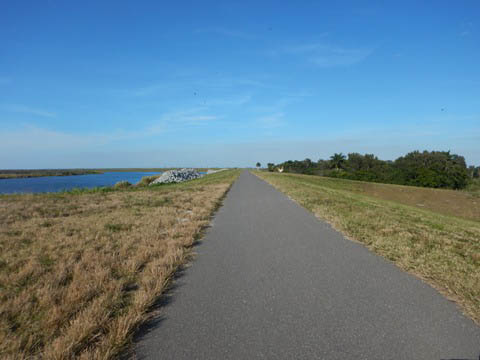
{"x":436,"y":169}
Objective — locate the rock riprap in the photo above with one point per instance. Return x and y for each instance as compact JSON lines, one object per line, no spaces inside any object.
{"x":176,"y":176}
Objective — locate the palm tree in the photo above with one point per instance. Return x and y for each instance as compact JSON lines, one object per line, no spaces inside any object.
{"x":337,"y":160}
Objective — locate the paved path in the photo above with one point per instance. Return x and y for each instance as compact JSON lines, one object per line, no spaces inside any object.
{"x":273,"y":282}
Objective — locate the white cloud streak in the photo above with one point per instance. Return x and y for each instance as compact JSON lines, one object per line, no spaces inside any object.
{"x":191,"y":86}
{"x":323,"y":55}
{"x":232,"y":101}
{"x":467,"y":29}
{"x":192,"y":116}
{"x":31,"y":137}
{"x":226,"y":32}
{"x":40,"y":148}
{"x":271,"y":121}
{"x":22,"y":109}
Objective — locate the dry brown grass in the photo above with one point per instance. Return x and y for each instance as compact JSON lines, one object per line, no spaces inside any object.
{"x":78,"y":272}
{"x":464,"y":204}
{"x":443,"y":250}
{"x":448,"y":202}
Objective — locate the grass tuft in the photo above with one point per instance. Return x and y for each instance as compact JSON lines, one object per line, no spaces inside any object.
{"x":122,"y":185}
{"x":118,"y":227}
{"x":146,"y":180}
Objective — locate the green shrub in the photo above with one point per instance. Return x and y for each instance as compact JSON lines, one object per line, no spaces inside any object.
{"x":147,"y":180}
{"x":122,"y":185}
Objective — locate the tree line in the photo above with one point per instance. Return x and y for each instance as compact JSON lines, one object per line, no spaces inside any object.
{"x":436,"y":169}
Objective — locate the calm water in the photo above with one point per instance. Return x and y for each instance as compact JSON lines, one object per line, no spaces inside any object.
{"x":59,"y":183}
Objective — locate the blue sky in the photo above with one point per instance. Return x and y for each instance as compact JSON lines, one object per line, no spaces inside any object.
{"x":163,"y":83}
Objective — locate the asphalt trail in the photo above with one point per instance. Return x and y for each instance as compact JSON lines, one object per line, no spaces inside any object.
{"x":273,"y":282}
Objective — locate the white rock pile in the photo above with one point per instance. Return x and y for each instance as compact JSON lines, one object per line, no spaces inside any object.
{"x":176,"y":176}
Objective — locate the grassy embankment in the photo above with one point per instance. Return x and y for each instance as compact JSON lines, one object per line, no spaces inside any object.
{"x":434,"y":234}
{"x":79,"y":270}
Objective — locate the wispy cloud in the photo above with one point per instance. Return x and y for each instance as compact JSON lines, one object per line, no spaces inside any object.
{"x":324,"y":55}
{"x":191,"y":86}
{"x":466,"y":29}
{"x":199,"y":118}
{"x":14,"y":108}
{"x":193,"y":116}
{"x":273,"y":115}
{"x":32,"y":137}
{"x":29,"y":137}
{"x":228,"y":82}
{"x":230,"y":101}
{"x":339,"y":57}
{"x":277,"y":106}
{"x":140,"y":91}
{"x":271,"y":121}
{"x":226,"y":32}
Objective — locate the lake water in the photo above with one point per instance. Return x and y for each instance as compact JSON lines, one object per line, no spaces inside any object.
{"x":59,"y":183}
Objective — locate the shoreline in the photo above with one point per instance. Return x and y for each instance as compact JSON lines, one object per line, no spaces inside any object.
{"x":7,"y":176}
{"x":25,"y":174}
